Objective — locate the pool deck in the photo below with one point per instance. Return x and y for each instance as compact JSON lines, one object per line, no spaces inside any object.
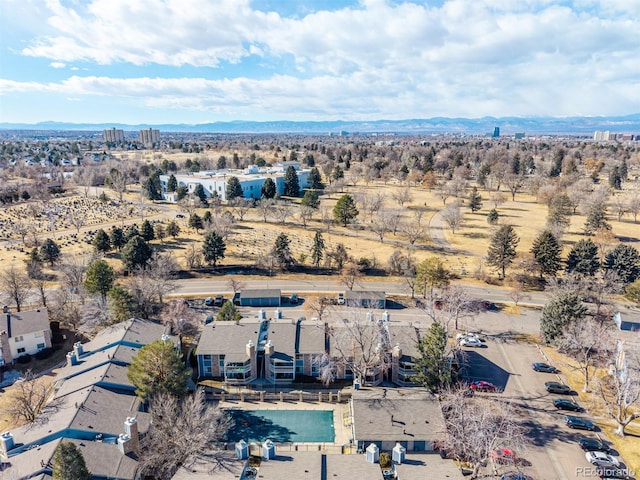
{"x":341,"y":415}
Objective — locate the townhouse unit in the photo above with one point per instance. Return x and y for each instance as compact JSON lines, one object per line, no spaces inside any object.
{"x":251,"y":180}
{"x":93,"y":405}
{"x":23,"y":333}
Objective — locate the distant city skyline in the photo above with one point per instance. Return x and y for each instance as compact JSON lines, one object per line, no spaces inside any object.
{"x":199,"y":61}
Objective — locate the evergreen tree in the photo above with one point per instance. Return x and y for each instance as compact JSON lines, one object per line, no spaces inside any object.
{"x":117,"y":237}
{"x":206,"y":218}
{"x":221,"y":164}
{"x":430,"y":274}
{"x":49,"y":251}
{"x":345,"y":210}
{"x":559,"y":312}
{"x":502,"y":249}
{"x":228,"y":313}
{"x":146,"y":231}
{"x":475,"y":200}
{"x":583,"y":258}
{"x":624,"y":260}
{"x":213,"y":248}
{"x":101,"y":241}
{"x":172,"y":183}
{"x":615,"y":179}
{"x":493,"y":217}
{"x":559,"y":210}
{"x":315,"y":179}
{"x":199,"y":192}
{"x":68,"y":463}
{"x":136,"y":253}
{"x":158,"y":368}
{"x":269,"y":188}
{"x":130,"y":232}
{"x":234,"y":189}
{"x":311,"y":199}
{"x":317,"y":249}
{"x":558,"y":157}
{"x":121,"y":303}
{"x":596,"y":219}
{"x":173,"y":229}
{"x":337,"y":173}
{"x":291,"y":184}
{"x":432,"y":364}
{"x":99,"y":278}
{"x":153,"y":187}
{"x":195,"y":222}
{"x":546,"y":250}
{"x":282,"y":251}
{"x":181,"y":192}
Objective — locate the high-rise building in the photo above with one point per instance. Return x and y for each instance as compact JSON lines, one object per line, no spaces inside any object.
{"x":113,"y":135}
{"x":496,"y":132}
{"x":149,"y":137}
{"x":602,"y":136}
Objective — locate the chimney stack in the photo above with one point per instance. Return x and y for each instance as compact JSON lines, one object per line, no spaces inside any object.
{"x":72,"y":359}
{"x":6,"y":444}
{"x":124,"y":444}
{"x":131,"y":429}
{"x":78,"y":350}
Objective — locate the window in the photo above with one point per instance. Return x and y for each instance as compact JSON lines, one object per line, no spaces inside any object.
{"x":19,"y":338}
{"x":221,"y":361}
{"x":40,"y":345}
{"x":21,"y":350}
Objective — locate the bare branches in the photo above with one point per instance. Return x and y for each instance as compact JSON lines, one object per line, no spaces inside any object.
{"x":29,"y":398}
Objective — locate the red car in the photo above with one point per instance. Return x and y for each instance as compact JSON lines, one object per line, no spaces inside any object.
{"x":482,"y":386}
{"x":503,"y":455}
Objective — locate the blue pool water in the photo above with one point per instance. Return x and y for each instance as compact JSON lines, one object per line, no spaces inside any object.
{"x":282,"y":426}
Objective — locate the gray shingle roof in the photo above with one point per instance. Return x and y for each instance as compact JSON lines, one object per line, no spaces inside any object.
{"x":23,"y":323}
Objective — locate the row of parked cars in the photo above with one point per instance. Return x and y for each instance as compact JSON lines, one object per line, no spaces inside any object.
{"x":597,"y":452}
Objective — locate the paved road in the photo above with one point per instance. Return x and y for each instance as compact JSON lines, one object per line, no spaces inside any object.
{"x":436,"y":232}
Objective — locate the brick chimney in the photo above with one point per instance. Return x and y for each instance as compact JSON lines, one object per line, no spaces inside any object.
{"x":131,"y":429}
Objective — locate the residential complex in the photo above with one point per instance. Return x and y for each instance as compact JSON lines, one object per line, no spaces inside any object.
{"x":149,"y":137}
{"x":23,"y":333}
{"x":113,"y":135}
{"x":251,"y":180}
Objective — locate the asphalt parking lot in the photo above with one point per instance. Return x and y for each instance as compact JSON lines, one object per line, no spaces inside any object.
{"x":554,"y":452}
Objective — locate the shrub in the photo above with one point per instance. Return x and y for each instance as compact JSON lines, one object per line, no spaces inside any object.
{"x":45,"y":353}
{"x":23,"y":359}
{"x":385,"y":460}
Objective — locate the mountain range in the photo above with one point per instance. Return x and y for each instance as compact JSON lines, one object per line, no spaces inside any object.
{"x":437,"y":125}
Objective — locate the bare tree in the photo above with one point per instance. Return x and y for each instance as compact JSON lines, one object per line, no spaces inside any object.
{"x":264,"y":207}
{"x":633,"y":205}
{"x":15,"y":286}
{"x":160,"y":274}
{"x":180,"y":317}
{"x":28,"y":399}
{"x":350,"y":275}
{"x":183,"y":432}
{"x":497,"y":198}
{"x":359,"y":345}
{"x":620,"y":389}
{"x":21,"y":228}
{"x":241,"y":206}
{"x":453,"y":305}
{"x":306,"y":214}
{"x":475,"y":427}
{"x":117,"y":180}
{"x":316,"y":307}
{"x":413,"y":228}
{"x":280,"y":211}
{"x":380,"y":223}
{"x":64,"y":307}
{"x":77,"y":218}
{"x":221,"y":223}
{"x":38,"y":279}
{"x":453,"y":216}
{"x":235,"y":284}
{"x":619,"y":206}
{"x":402,"y":196}
{"x":73,"y":269}
{"x":514,"y":183}
{"x":517,"y":292}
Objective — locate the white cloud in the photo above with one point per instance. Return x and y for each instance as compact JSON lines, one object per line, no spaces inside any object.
{"x":57,"y":65}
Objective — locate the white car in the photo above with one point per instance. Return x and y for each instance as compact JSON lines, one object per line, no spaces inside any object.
{"x":460,"y":336}
{"x":470,"y":342}
{"x":602,"y":459}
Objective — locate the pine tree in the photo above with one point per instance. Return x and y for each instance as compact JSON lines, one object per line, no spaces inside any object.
{"x":596,"y":219}
{"x":502,"y":249}
{"x":234,"y":189}
{"x":68,"y":463}
{"x":213,"y":248}
{"x":282,"y":251}
{"x":146,"y":231}
{"x":136,"y":253}
{"x":291,"y":184}
{"x":268,"y":188}
{"x":317,"y":249}
{"x":195,"y":222}
{"x":546,"y":250}
{"x":49,"y":251}
{"x":345,"y":210}
{"x":475,"y":200}
{"x":583,"y":258}
{"x":199,"y":192}
{"x":558,"y":313}
{"x":158,"y":368}
{"x":153,"y":187}
{"x":493,"y":216}
{"x":117,"y":237}
{"x":432,"y":365}
{"x":315,"y":179}
{"x":311,"y":199}
{"x":173,"y":229}
{"x":99,"y":278}
{"x":172,"y":183}
{"x":625,"y":261}
{"x":101,"y":241}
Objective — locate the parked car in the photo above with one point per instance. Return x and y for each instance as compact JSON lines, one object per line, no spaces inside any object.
{"x":503,"y":455}
{"x":341,"y":299}
{"x":461,"y":335}
{"x":470,"y":342}
{"x":208,"y":301}
{"x":293,"y":299}
{"x":543,"y":367}
{"x":218,"y":301}
{"x":557,"y":387}
{"x":602,"y":459}
{"x":236,"y":298}
{"x":482,"y":386}
{"x":515,"y":476}
{"x":564,"y":404}
{"x":179,"y":215}
{"x":579,"y":423}
{"x":594,"y":444}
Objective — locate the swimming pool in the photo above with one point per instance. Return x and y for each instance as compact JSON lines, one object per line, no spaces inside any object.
{"x":282,"y":426}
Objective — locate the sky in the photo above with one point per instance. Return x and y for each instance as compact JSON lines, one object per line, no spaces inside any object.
{"x":200,"y":61}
